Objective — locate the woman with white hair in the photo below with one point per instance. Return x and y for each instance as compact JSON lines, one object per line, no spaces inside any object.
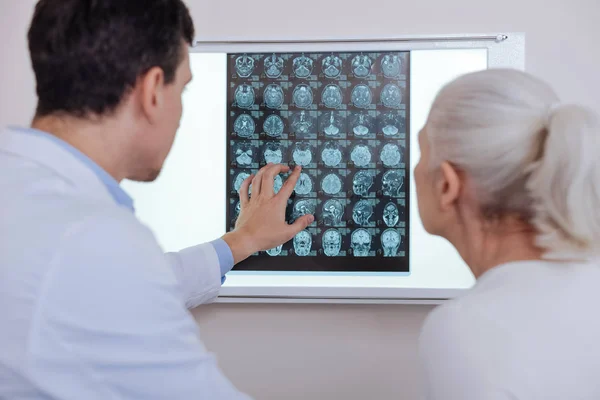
{"x":511,"y":177}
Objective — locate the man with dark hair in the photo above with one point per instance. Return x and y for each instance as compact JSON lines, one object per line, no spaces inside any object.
{"x":90,"y":307}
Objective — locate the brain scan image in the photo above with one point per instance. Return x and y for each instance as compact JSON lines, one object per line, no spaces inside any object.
{"x":332,"y":66}
{"x":361,"y":96}
{"x":273,"y":153}
{"x":244,"y":154}
{"x":239,"y":179}
{"x":392,"y":183}
{"x":361,"y":242}
{"x":391,"y":96}
{"x":361,"y":183}
{"x":303,"y":66}
{"x":303,"y":207}
{"x":391,"y":123}
{"x":391,"y":215}
{"x":238,"y":209}
{"x":332,"y":242}
{"x":391,"y":155}
{"x":302,"y":154}
{"x":244,"y":66}
{"x":390,"y":242}
{"x":275,"y":251}
{"x":332,"y":96}
{"x":277,"y":184}
{"x":361,"y":155}
{"x":331,"y":155}
{"x":331,"y":184}
{"x":302,"y":96}
{"x":362,"y":124}
{"x":333,"y":212}
{"x":273,"y":96}
{"x":273,"y":125}
{"x":244,"y":126}
{"x":304,"y":185}
{"x":244,"y":96}
{"x":302,"y":123}
{"x":273,"y":66}
{"x":362,"y":212}
{"x":361,"y":66}
{"x":331,"y":123}
{"x":391,"y":64}
{"x":302,"y":243}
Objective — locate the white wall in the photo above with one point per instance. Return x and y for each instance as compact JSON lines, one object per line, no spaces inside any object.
{"x":341,"y":352}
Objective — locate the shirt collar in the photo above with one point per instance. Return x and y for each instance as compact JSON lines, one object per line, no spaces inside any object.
{"x":111,"y":184}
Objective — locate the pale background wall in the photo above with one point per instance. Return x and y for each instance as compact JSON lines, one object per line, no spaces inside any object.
{"x":341,"y":352}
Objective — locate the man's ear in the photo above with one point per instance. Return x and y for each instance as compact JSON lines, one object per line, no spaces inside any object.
{"x":152,"y":93}
{"x":448,"y":185}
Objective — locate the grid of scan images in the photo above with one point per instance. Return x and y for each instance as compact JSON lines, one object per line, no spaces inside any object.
{"x":342,"y":116}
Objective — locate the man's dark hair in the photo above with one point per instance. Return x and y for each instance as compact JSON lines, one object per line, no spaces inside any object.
{"x":88,"y":54}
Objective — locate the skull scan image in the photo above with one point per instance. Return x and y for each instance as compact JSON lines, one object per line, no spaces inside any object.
{"x":391,"y":96}
{"x":331,"y":154}
{"x":238,"y":209}
{"x":277,"y":184}
{"x":332,"y":242}
{"x":302,"y":96}
{"x":273,"y":66}
{"x":244,"y":96}
{"x":391,"y":64}
{"x":391,"y":215}
{"x":239,"y":179}
{"x":275,"y":251}
{"x":244,"y":154}
{"x":244,"y":66}
{"x":390,"y":155}
{"x":391,"y":123}
{"x":244,"y":126}
{"x":331,"y":184}
{"x":361,"y":96}
{"x":330,"y":123}
{"x":303,"y":66}
{"x":304,"y":185}
{"x":273,"y":96}
{"x":302,"y":243}
{"x":333,"y":211}
{"x":273,"y":125}
{"x":390,"y":241}
{"x":302,"y":154}
{"x":362,"y":212}
{"x":361,"y":155}
{"x":361,"y":242}
{"x":303,"y":207}
{"x":361,"y":66}
{"x":361,"y":183}
{"x":273,"y":153}
{"x":392,"y":183}
{"x":332,"y":96}
{"x":302,"y":123}
{"x":332,"y":66}
{"x":362,"y":124}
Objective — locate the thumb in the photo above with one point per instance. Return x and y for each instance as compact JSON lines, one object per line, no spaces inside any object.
{"x":301,"y":224}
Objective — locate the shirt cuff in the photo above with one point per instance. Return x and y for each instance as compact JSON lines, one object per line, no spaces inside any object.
{"x":225,"y":257}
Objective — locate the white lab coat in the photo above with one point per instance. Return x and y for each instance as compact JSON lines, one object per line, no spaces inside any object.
{"x":90,"y":307}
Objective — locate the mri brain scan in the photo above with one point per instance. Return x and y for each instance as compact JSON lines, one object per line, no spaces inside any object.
{"x":391,"y":123}
{"x":277,"y":184}
{"x":361,"y":66}
{"x":273,"y":153}
{"x":331,"y":123}
{"x":244,"y":154}
{"x":361,"y":96}
{"x":302,"y":243}
{"x":302,"y":123}
{"x":332,"y":66}
{"x":391,"y":215}
{"x":361,"y":243}
{"x":332,"y":242}
{"x":238,"y":209}
{"x":392,"y":183}
{"x":244,"y":126}
{"x":390,"y":241}
{"x":302,"y":96}
{"x":273,"y":96}
{"x":303,"y":207}
{"x":332,"y":96}
{"x":302,"y":154}
{"x":362,"y":212}
{"x":273,"y":126}
{"x":361,"y":183}
{"x":303,"y":66}
{"x":304,"y":185}
{"x":391,"y":155}
{"x":361,"y":155}
{"x":331,"y":184}
{"x":391,"y":96}
{"x":331,"y":155}
{"x":362,"y":124}
{"x":244,"y":66}
{"x":239,"y":179}
{"x":244,"y":96}
{"x":273,"y":66}
{"x":333,"y":212}
{"x":391,"y":65}
{"x":275,"y":251}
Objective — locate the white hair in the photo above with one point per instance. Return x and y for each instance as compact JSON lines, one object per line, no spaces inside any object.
{"x":525,"y":154}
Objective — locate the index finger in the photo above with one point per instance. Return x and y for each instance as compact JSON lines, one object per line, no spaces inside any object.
{"x":290,"y":184}
{"x":268,"y":178}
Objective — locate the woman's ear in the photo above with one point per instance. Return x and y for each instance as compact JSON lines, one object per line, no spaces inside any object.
{"x":448,"y":186}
